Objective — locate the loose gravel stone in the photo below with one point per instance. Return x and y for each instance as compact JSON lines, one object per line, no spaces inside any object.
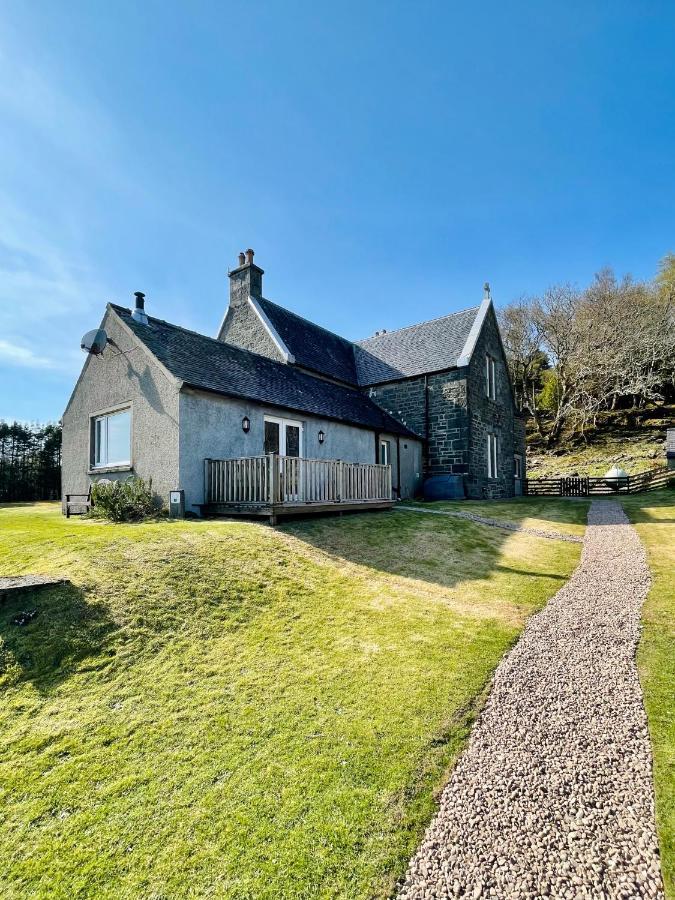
{"x":495,"y":523}
{"x":553,"y":796}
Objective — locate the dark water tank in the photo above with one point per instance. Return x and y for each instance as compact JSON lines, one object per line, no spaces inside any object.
{"x":444,"y":487}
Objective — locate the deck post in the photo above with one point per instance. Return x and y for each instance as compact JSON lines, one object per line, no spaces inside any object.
{"x":273,"y":463}
{"x":340,"y":486}
{"x":207,"y":497}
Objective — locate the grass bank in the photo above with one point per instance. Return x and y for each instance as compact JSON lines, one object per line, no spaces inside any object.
{"x":223,"y":709}
{"x":654,"y":518}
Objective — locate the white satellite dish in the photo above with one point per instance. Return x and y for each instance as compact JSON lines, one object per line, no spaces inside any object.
{"x":94,"y":341}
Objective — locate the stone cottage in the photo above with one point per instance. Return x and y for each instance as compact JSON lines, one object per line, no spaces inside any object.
{"x":346,"y":422}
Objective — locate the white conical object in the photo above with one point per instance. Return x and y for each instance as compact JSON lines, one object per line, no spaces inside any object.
{"x":616,"y":472}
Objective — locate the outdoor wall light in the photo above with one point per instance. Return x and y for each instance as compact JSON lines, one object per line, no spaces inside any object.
{"x":246,"y":424}
{"x":322,"y":437}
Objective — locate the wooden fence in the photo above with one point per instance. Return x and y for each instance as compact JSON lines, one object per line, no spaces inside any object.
{"x":567,"y":486}
{"x":289,"y":480}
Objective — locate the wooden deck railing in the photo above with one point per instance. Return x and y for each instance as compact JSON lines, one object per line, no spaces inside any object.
{"x":289,"y":480}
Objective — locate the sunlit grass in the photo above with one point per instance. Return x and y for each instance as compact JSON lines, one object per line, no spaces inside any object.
{"x":223,"y":709}
{"x":566,"y":515}
{"x":654,"y":518}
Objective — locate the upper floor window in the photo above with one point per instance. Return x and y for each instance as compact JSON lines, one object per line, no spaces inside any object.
{"x":492,"y":459}
{"x":112,"y":439}
{"x":490,"y":385}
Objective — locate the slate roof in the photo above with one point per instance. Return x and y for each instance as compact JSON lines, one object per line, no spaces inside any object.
{"x":427,"y":347}
{"x":212,"y":365}
{"x":313,"y":347}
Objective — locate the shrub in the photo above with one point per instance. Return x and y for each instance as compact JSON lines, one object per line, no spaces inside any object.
{"x":123,"y":501}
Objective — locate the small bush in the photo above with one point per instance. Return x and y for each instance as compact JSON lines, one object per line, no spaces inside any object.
{"x":123,"y":501}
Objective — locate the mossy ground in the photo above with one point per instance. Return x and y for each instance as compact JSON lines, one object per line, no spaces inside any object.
{"x":226,"y":710}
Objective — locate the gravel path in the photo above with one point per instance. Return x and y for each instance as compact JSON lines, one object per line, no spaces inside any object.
{"x":495,"y":523}
{"x":553,"y":796}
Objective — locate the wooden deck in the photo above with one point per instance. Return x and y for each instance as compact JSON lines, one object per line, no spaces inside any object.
{"x":278,"y":486}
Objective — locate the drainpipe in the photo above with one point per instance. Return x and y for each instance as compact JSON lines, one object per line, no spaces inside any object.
{"x":398,"y":466}
{"x":426,"y":424}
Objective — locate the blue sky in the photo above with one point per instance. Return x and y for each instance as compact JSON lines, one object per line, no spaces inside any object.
{"x":383,"y":159}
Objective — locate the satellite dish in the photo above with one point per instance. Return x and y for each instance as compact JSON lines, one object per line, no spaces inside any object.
{"x":94,"y":341}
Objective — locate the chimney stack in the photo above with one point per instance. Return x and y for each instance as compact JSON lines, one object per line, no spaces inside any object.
{"x":245,"y":280}
{"x":138,"y":315}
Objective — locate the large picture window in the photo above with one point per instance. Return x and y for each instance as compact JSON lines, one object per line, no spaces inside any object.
{"x":492,"y":455}
{"x":112,"y":439}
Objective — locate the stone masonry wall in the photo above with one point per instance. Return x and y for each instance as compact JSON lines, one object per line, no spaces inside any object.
{"x":446,"y":450}
{"x":490,"y":416}
{"x":460,"y":417}
{"x":243,"y":328}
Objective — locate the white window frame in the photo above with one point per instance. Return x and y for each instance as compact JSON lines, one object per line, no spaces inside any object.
{"x":492,"y":456}
{"x":99,"y":436}
{"x":490,"y":377}
{"x":282,"y":423}
{"x":386,"y":446}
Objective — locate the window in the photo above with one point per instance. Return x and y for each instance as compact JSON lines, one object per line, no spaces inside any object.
{"x":490,"y":389}
{"x":283,"y":436}
{"x":385,"y":453}
{"x":112,"y":439}
{"x":517,"y":466}
{"x":492,"y":455}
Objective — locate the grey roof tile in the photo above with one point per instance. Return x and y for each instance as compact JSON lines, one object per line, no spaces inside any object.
{"x":427,"y":347}
{"x":313,"y":347}
{"x":213,"y":365}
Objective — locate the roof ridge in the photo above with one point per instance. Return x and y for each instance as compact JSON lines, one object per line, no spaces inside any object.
{"x":308,"y":321}
{"x":207,"y":337}
{"x":416,"y":325}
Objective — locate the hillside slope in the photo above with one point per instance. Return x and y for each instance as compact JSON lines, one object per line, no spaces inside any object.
{"x":635,"y":442}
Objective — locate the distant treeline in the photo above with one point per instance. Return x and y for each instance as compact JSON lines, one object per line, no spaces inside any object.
{"x":30,"y":462}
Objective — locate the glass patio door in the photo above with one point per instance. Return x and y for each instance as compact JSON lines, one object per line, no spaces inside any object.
{"x":284,"y":436}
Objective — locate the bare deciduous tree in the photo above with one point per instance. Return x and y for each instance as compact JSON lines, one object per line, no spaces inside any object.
{"x":609,"y":345}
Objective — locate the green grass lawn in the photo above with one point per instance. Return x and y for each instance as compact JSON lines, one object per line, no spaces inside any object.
{"x":654,"y":518}
{"x":221,"y":709}
{"x":568,"y":516}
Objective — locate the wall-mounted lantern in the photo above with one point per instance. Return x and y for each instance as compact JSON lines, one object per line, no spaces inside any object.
{"x":322,"y":437}
{"x":246,"y":424}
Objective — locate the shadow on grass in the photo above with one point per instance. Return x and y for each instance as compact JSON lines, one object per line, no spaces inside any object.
{"x":435,"y":549}
{"x":66,"y":630}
